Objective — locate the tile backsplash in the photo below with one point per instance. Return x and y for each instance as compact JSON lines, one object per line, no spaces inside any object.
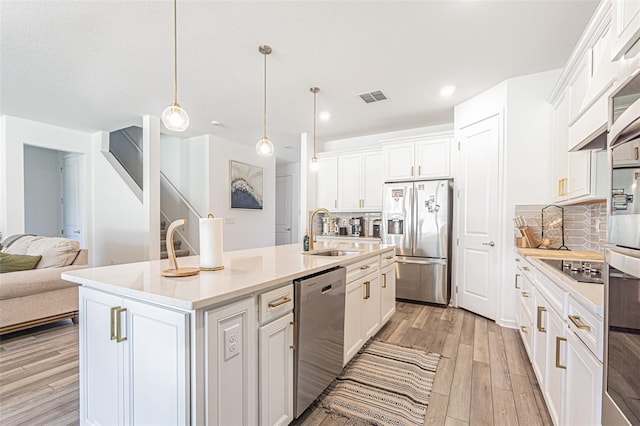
{"x":585,"y":227}
{"x":344,"y":219}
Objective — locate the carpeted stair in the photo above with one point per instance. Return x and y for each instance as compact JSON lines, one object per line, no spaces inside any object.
{"x":163,"y":243}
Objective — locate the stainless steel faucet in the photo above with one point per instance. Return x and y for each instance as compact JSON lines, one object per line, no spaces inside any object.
{"x":312,"y":238}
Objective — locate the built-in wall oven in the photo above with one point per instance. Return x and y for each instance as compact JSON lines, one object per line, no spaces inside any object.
{"x":621,"y":399}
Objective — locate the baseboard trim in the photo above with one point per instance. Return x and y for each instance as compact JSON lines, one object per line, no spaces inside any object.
{"x":507,"y":323}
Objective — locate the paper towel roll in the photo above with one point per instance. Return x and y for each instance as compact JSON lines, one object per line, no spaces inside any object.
{"x":211,"y":243}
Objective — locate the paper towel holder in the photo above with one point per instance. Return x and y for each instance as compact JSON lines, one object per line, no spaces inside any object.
{"x":176,"y":272}
{"x":217,"y":268}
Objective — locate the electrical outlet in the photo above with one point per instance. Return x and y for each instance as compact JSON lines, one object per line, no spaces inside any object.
{"x":232,"y":341}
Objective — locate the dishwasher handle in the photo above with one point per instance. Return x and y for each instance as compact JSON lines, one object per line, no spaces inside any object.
{"x":327,"y":289}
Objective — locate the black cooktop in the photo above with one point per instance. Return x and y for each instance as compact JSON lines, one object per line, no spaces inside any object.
{"x":584,"y":271}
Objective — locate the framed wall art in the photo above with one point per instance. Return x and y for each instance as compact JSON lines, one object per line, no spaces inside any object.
{"x":246,"y":186}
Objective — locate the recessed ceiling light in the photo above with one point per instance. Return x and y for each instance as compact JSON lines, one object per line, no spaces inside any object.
{"x":324,"y":115}
{"x":216,"y":123}
{"x":447,"y":91}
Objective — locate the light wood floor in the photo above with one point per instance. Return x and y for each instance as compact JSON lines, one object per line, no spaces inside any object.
{"x":484,"y":376}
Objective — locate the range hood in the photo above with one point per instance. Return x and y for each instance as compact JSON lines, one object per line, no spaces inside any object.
{"x":624,"y":110}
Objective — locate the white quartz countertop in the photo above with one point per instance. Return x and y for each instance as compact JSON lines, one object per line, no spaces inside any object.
{"x":245,"y":272}
{"x":591,"y":296}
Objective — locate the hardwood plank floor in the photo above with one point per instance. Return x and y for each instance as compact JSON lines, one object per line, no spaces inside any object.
{"x":484,"y":376}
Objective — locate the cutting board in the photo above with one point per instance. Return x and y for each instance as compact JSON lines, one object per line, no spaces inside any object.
{"x":561,"y":254}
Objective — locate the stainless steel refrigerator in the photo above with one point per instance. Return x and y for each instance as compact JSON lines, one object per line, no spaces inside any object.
{"x":416,"y":218}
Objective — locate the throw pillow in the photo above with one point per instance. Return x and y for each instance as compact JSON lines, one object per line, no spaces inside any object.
{"x":17,"y":262}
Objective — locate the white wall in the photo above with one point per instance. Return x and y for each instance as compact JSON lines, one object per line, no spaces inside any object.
{"x":293,"y":170}
{"x":14,"y":134}
{"x":242,"y":228}
{"x":42,"y":191}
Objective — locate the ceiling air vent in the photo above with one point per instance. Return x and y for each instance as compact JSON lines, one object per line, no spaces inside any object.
{"x":374,"y":96}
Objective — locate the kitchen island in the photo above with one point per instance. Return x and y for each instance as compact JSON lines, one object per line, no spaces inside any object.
{"x":214,"y":348}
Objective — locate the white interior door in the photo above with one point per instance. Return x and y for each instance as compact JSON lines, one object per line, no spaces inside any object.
{"x":477,"y":201}
{"x":283,"y":210}
{"x":72,"y":197}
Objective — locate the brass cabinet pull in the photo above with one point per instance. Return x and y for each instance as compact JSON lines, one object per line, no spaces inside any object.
{"x":365,"y":267}
{"x":389,"y":257}
{"x":113,"y":322}
{"x":367,"y":290}
{"x":384,"y":285}
{"x":560,"y":187}
{"x":558,"y":340}
{"x":335,"y":204}
{"x":419,"y":170}
{"x":525,"y":268}
{"x":295,"y":335}
{"x":541,"y":309}
{"x":119,"y":337}
{"x":637,"y":152}
{"x":412,"y":170}
{"x":525,"y":294}
{"x":578,"y":323}
{"x":282,"y":301}
{"x":516,"y":283}
{"x":517,"y":259}
{"x":524,"y":329}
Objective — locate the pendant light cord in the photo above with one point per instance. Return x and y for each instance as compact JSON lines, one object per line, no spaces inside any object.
{"x":314,"y":123}
{"x":265,"y":96}
{"x":175,"y":52}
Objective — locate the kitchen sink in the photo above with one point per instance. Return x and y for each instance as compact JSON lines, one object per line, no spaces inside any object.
{"x":333,"y":253}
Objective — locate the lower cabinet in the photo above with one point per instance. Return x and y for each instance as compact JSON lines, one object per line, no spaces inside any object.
{"x":231,"y":382}
{"x":275,"y":341}
{"x":553,"y":385}
{"x":126,"y":346}
{"x":362,"y":313}
{"x":387,"y":293}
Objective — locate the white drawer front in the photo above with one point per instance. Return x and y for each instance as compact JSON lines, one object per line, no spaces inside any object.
{"x":387,"y":258}
{"x":362,"y":268}
{"x":554,"y":294}
{"x":275,"y":303}
{"x":526,"y":296}
{"x":588,"y":327}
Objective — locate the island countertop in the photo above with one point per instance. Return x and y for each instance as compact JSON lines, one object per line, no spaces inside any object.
{"x":245,"y":272}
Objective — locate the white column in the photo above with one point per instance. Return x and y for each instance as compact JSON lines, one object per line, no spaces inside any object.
{"x":151,"y":185}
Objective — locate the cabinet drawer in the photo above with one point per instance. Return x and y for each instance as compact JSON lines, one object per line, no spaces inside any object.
{"x":525,"y":325}
{"x":362,"y":268}
{"x":587,"y":326}
{"x":525,"y":269}
{"x":554,"y":294}
{"x":361,"y":282}
{"x":526,"y":296}
{"x":387,"y":258}
{"x":275,"y":303}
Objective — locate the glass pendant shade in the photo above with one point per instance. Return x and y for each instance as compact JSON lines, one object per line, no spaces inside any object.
{"x":264,"y":147}
{"x":314,"y":164}
{"x":175,"y":118}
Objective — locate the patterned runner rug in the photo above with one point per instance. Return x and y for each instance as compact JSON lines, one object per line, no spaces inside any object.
{"x":384,"y":384}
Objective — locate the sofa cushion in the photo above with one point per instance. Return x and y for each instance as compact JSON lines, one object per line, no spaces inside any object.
{"x":25,"y":283}
{"x":17,"y":262}
{"x":55,"y":251}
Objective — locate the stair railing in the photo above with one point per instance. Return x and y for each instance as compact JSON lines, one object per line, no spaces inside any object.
{"x":187,"y":233}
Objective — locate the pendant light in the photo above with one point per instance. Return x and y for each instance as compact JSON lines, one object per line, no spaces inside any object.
{"x":314,"y":160}
{"x":264,"y":147}
{"x":174,"y":117}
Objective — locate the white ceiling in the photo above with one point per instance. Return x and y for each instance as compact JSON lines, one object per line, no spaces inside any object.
{"x":101,"y":65}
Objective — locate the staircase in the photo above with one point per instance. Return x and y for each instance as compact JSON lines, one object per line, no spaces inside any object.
{"x":163,"y":243}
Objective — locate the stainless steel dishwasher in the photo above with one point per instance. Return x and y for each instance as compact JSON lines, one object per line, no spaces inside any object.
{"x":319,"y":315}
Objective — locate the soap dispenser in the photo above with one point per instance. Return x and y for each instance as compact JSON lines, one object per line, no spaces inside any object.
{"x":305,"y":241}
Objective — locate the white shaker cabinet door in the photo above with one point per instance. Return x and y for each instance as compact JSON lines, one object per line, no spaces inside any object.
{"x":101,"y":362}
{"x":275,"y":343}
{"x":371,"y":306}
{"x":584,"y":385}
{"x":433,"y":159}
{"x":399,"y":161}
{"x":349,"y":178}
{"x":327,"y":187}
{"x":554,"y":386}
{"x":353,"y":320}
{"x":372,"y":180}
{"x":387,"y":293}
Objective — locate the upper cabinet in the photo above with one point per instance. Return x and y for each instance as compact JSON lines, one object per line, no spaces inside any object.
{"x":327,"y":182}
{"x":626,"y":29}
{"x":360,"y":181}
{"x":417,"y":159}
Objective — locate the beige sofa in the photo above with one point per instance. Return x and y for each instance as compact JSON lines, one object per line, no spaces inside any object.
{"x":39,"y":296}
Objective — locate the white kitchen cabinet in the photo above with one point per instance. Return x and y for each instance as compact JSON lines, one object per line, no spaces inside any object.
{"x":371,"y":306}
{"x":276,"y":371}
{"x":327,"y":182}
{"x":387,"y":292}
{"x":353,"y":338}
{"x":231,"y":383}
{"x":584,"y":385}
{"x":560,"y":154}
{"x":126,"y":346}
{"x":627,"y":154}
{"x":626,"y":15}
{"x":360,"y":181}
{"x":554,"y":382}
{"x":523,"y":314}
{"x":418,"y":159}
{"x":540,"y":337}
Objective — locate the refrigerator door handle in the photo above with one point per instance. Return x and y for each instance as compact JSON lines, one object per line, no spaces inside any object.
{"x":421,"y":261}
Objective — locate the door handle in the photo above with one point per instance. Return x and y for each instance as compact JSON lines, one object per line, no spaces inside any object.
{"x":113,"y":322}
{"x":76,"y":232}
{"x":516,"y":282}
{"x":490,"y":243}
{"x":119,"y":337}
{"x":558,"y":340}
{"x":541,"y":329}
{"x":288,"y":229}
